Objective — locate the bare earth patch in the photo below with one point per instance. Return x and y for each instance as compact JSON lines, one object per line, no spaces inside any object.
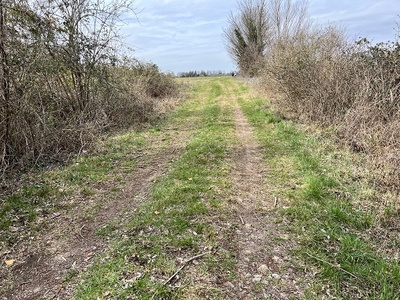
{"x":69,"y":243}
{"x":264,"y":270}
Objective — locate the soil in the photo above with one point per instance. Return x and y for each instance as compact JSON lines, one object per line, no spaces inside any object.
{"x":70,"y":243}
{"x":265,"y":269}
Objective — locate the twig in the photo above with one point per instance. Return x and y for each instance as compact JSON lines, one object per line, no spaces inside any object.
{"x":80,"y":231}
{"x":185,"y":264}
{"x":241,"y":220}
{"x":276,"y":202}
{"x":332,"y":265}
{"x":55,"y":216}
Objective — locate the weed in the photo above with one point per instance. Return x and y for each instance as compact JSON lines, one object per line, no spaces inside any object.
{"x":106,"y":230}
{"x":72,"y":273}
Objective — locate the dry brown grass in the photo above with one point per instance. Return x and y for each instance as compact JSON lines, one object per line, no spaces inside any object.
{"x":353,"y":87}
{"x":45,"y":126}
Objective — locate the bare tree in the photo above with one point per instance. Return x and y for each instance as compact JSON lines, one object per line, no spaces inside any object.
{"x":259,"y":26}
{"x":12,"y":20}
{"x":288,"y":19}
{"x":53,"y":55}
{"x":84,"y":33}
{"x":247,"y":35}
{"x":5,"y":91}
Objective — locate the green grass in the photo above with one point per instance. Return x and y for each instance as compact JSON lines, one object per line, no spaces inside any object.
{"x":323,"y":206}
{"x":174,"y":221}
{"x":48,"y":191}
{"x":323,"y":210}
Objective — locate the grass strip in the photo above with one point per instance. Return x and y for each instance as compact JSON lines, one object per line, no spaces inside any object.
{"x":173,"y":225}
{"x":323,"y":210}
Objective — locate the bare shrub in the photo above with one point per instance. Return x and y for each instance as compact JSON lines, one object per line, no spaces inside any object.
{"x":373,"y":119}
{"x":154,"y":83}
{"x":352,"y":86}
{"x":303,"y":67}
{"x":62,"y":82}
{"x":135,"y":91}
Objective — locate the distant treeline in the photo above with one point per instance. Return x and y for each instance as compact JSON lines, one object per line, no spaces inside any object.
{"x":203,"y":73}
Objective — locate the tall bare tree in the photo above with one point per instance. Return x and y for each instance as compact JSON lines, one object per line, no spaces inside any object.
{"x":4,"y":76}
{"x":258,"y":26}
{"x":247,"y":35}
{"x":84,"y":33}
{"x":288,"y":19}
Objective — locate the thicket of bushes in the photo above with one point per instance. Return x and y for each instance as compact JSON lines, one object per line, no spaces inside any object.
{"x":63,"y":81}
{"x":325,"y":78}
{"x":354,"y":87}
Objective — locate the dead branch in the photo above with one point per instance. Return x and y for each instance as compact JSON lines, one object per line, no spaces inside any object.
{"x":185,"y":264}
{"x":241,"y":220}
{"x":80,"y":231}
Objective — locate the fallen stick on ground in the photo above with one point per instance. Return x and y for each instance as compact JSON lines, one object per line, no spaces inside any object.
{"x":80,"y":231}
{"x":185,"y":264}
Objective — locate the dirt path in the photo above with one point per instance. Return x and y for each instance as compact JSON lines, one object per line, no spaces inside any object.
{"x":70,"y":243}
{"x":264,"y":267}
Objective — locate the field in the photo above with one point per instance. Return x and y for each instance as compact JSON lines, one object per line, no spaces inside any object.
{"x":223,"y":199}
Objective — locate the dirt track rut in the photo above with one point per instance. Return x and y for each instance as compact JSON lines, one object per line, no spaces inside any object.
{"x":264,"y":267}
{"x":70,"y":242}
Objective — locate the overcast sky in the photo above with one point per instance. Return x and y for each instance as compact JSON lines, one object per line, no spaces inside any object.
{"x":184,"y":35}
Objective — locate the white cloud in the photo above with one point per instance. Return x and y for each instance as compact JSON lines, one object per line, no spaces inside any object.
{"x":182,"y":35}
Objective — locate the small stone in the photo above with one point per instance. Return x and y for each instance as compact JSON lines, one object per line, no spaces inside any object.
{"x":263,"y":269}
{"x":276,"y":276}
{"x":247,"y":226}
{"x":284,"y":296}
{"x":276,"y":259}
{"x":257,"y":278}
{"x":285,"y":237}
